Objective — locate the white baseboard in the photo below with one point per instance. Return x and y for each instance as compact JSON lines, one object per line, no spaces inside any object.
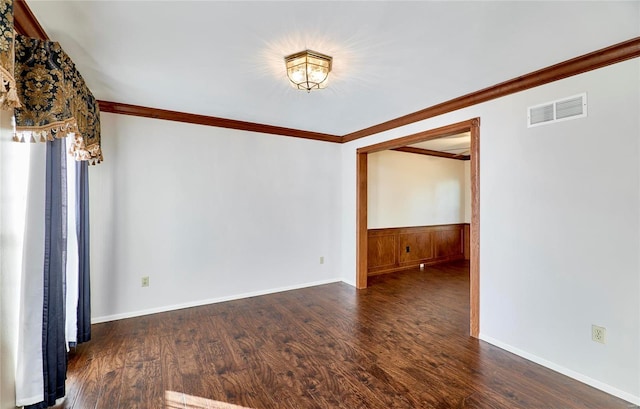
{"x":565,"y":371}
{"x":165,"y":308}
{"x":352,"y":283}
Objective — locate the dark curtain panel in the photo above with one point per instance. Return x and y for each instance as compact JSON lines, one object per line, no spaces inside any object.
{"x":54,"y":352}
{"x":82,"y":230}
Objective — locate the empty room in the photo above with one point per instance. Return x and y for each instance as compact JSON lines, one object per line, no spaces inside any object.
{"x":319,"y":204}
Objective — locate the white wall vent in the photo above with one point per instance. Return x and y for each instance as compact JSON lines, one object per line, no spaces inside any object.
{"x":567,"y":108}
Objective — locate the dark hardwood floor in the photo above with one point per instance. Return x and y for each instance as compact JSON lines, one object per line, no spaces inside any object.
{"x":401,"y":343}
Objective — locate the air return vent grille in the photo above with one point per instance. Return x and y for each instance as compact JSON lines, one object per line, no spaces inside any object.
{"x":560,"y":110}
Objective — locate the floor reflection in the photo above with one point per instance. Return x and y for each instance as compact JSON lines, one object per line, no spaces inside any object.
{"x":179,"y":400}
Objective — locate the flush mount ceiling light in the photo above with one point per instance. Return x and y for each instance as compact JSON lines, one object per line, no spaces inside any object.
{"x":308,"y":70}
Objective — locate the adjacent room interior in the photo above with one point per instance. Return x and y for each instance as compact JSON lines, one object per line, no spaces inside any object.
{"x":419,"y":206}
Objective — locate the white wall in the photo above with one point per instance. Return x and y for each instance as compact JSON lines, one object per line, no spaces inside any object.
{"x":208,"y":214}
{"x":560,"y":226}
{"x":406,"y":189}
{"x":12,"y":199}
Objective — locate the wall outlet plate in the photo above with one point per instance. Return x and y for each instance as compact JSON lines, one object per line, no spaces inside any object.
{"x":598,"y":334}
{"x":145,"y":281}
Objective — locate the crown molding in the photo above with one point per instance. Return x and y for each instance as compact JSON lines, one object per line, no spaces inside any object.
{"x":597,"y":59}
{"x":25,"y":22}
{"x":601,"y":58}
{"x":136,"y":110}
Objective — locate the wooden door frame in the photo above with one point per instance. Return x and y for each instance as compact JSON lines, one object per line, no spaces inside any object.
{"x":472,"y":126}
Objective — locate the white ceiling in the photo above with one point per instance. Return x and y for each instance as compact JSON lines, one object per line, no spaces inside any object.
{"x":391,"y":58}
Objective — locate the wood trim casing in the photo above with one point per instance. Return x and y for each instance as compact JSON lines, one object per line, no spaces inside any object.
{"x":25,"y":22}
{"x":361,"y":221}
{"x":601,"y":58}
{"x":156,"y":113}
{"x":429,"y":152}
{"x":443,"y":131}
{"x":474,"y":242}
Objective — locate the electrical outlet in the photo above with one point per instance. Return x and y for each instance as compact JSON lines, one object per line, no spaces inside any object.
{"x":145,"y":281}
{"x":598,"y":334}
{"x":321,"y":259}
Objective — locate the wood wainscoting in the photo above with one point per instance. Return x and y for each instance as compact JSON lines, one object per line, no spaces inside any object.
{"x":399,"y":248}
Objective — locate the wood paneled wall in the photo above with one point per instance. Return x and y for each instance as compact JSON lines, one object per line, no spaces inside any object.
{"x":399,"y":248}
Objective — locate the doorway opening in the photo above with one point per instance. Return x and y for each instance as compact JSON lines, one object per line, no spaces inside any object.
{"x":473,"y":127}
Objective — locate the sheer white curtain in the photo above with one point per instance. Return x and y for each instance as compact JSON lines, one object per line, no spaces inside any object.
{"x":29,"y":381}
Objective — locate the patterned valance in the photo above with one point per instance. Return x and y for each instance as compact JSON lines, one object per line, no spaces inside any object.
{"x":46,"y":103}
{"x":86,"y":144}
{"x":8,"y":95}
{"x":84,"y":107}
{"x":55,"y":99}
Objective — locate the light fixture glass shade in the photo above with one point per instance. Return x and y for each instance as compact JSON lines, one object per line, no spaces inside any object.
{"x":308,"y":70}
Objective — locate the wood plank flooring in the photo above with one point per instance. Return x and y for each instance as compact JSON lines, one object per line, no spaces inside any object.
{"x":401,"y":343}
